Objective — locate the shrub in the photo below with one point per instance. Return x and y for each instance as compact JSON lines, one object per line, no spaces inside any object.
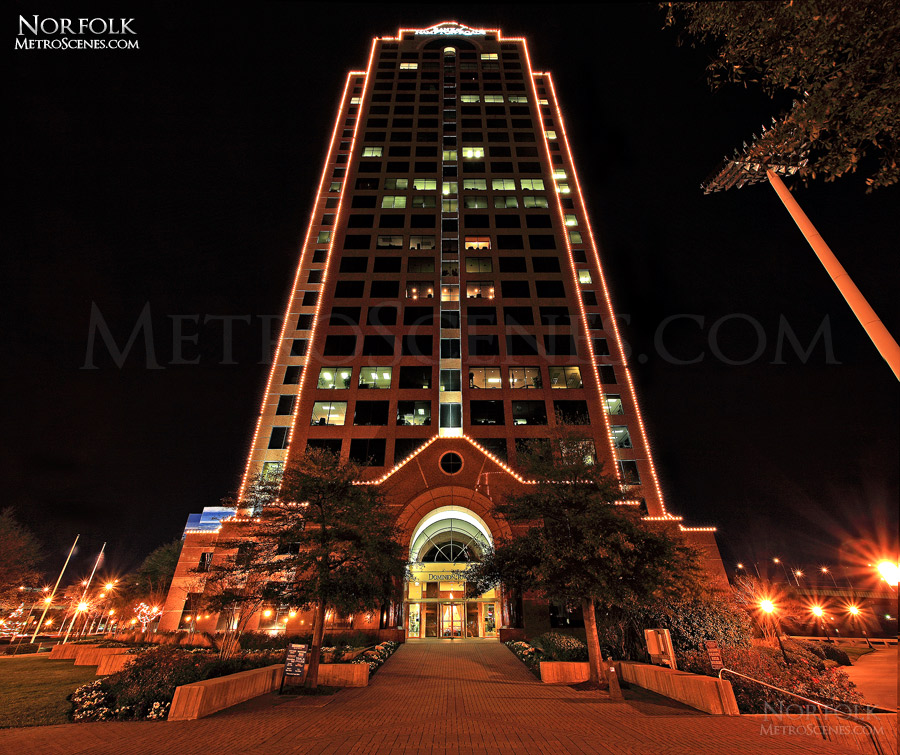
{"x":836,"y":654}
{"x":562,"y":647}
{"x":528,"y":654}
{"x":376,"y":657}
{"x":828,"y":685}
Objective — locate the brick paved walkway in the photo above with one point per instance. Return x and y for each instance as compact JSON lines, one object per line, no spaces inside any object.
{"x":431,"y":697}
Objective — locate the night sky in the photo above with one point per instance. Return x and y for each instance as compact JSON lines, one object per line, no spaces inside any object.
{"x":180,"y":177}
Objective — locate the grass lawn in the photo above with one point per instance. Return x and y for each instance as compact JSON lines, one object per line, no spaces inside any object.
{"x":33,"y":689}
{"x":854,"y":651}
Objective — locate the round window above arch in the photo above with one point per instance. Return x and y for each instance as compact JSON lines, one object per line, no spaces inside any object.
{"x":451,"y":463}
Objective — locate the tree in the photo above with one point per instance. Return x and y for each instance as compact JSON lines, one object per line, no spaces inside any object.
{"x":576,"y":542}
{"x":21,"y":557}
{"x":838,"y":60}
{"x":331,"y":543}
{"x":151,"y":580}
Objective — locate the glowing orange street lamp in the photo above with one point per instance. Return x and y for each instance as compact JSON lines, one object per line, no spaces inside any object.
{"x":854,"y":612}
{"x":819,"y":613}
{"x":890,"y":572}
{"x":768,"y":608}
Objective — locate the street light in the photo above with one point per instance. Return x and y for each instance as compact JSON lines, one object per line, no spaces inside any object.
{"x":768,"y":607}
{"x":890,"y":572}
{"x":819,"y":613}
{"x":855,"y":612}
{"x":826,"y":570}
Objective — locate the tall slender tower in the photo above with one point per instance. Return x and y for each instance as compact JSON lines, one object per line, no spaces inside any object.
{"x":449,"y":305}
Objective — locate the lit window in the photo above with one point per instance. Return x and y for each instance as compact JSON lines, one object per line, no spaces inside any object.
{"x":490,"y":56}
{"x":475,"y":184}
{"x":529,"y":413}
{"x":335,"y":186}
{"x":559,"y":173}
{"x":425,"y":184}
{"x":571,"y":221}
{"x":395,"y":201}
{"x":375,"y":377}
{"x":476,"y":203}
{"x":584,"y":276}
{"x":478,"y":265}
{"x":550,"y":134}
{"x":480,"y":290}
{"x":424,"y":201}
{"x":355,"y":100}
{"x":565,"y":377}
{"x":518,"y":98}
{"x":421,"y":242}
{"x":535,"y":202}
{"x":389,"y":242}
{"x":532,"y":184}
{"x":331,"y":378}
{"x":408,"y":66}
{"x":413,"y":412}
{"x":449,"y":293}
{"x":396,"y":183}
{"x":324,"y":237}
{"x":525,"y":377}
{"x":493,"y":98}
{"x":614,"y":404}
{"x":449,"y":205}
{"x":450,"y":269}
{"x":563,"y":189}
{"x":449,"y":155}
{"x":419,"y":290}
{"x":620,"y":436}
{"x":503,"y":184}
{"x":484,"y":377}
{"x":629,"y":471}
{"x":544,"y":102}
{"x":329,"y":413}
{"x":473,"y":153}
{"x":506,"y":202}
{"x":470,"y":98}
{"x":575,"y":237}
{"x":372,"y":151}
{"x":478,"y":242}
{"x":450,"y":187}
{"x":449,"y":52}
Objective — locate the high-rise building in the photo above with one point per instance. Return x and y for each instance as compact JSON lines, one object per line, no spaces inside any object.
{"x":449,"y":305}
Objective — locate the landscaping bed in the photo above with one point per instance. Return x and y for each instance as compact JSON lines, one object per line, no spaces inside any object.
{"x":552,"y":646}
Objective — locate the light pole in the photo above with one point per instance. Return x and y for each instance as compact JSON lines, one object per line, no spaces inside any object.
{"x":783,"y":568}
{"x":819,"y":614}
{"x":768,"y":608}
{"x":826,"y":570}
{"x":854,"y":612}
{"x":49,"y":601}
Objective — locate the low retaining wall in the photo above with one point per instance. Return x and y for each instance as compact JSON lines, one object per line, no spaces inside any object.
{"x":66,"y":652}
{"x":840,"y":730}
{"x":511,"y":634}
{"x":565,"y":672}
{"x":705,"y":693}
{"x":201,"y":699}
{"x":113,"y":664}
{"x":92,"y":656}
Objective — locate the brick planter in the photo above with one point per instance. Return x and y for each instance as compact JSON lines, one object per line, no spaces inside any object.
{"x":66,"y":652}
{"x":113,"y":664}
{"x":565,"y":672}
{"x":704,"y":693}
{"x":201,"y":699}
{"x":91,"y":656}
{"x":511,"y":634}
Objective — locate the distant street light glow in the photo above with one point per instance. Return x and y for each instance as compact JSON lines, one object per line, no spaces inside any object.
{"x":890,"y":572}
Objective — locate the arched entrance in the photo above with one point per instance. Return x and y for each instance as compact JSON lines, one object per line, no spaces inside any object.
{"x":442,"y":543}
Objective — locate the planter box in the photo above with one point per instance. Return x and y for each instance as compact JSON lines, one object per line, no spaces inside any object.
{"x":201,"y":699}
{"x":113,"y":664}
{"x":66,"y":652}
{"x":343,"y":675}
{"x":705,"y":693}
{"x":565,"y":672}
{"x":92,"y":656}
{"x":511,"y":634}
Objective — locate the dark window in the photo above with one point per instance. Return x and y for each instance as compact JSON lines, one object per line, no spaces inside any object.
{"x":507,"y":221}
{"x":404,"y":447}
{"x":481,"y":315}
{"x":304,"y":322}
{"x":451,"y":380}
{"x":450,"y":320}
{"x":344,"y":316}
{"x":538,"y":221}
{"x":595,"y":321}
{"x":555,"y":316}
{"x":451,"y":463}
{"x":392,"y":221}
{"x":579,"y":255}
{"x":549,"y":289}
{"x":417,"y":345}
{"x":378,"y":346}
{"x":423,"y":221}
{"x":629,"y":470}
{"x":494,"y":446}
{"x":487,"y":412}
{"x":559,"y":345}
{"x":349,"y":289}
{"x":371,"y":413}
{"x":451,"y":415}
{"x":545,"y":264}
{"x":299,"y":347}
{"x":589,"y":298}
{"x":512,"y":265}
{"x":484,"y":346}
{"x":521,"y":345}
{"x":415,"y":378}
{"x":386,"y":265}
{"x":515,"y":289}
{"x":381,"y":315}
{"x":292,"y":375}
{"x":385,"y":289}
{"x":607,"y":374}
{"x":601,"y":347}
{"x":360,"y":221}
{"x":518,"y":316}
{"x":365,"y":184}
{"x":286,"y":405}
{"x":315,"y":276}
{"x":529,"y":413}
{"x":339,"y":346}
{"x":364,"y":201}
{"x":540,"y":241}
{"x":449,"y":348}
{"x":423,"y":316}
{"x":357,"y":241}
{"x":368,"y":451}
{"x":509,"y":241}
{"x":420,"y":264}
{"x":572,"y":412}
{"x":320,"y":255}
{"x":310,"y":298}
{"x":278,"y":438}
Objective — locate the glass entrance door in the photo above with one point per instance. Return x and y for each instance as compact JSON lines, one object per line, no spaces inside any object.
{"x":451,"y":619}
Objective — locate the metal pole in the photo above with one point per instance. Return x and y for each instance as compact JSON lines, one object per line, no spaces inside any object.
{"x":875,"y":329}
{"x":86,"y":588}
{"x":50,"y":602}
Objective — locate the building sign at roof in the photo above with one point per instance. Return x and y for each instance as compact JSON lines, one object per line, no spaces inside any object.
{"x":454,"y":30}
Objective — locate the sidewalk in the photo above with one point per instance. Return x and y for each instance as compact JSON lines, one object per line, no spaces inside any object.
{"x":875,"y":674}
{"x":431,"y":697}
